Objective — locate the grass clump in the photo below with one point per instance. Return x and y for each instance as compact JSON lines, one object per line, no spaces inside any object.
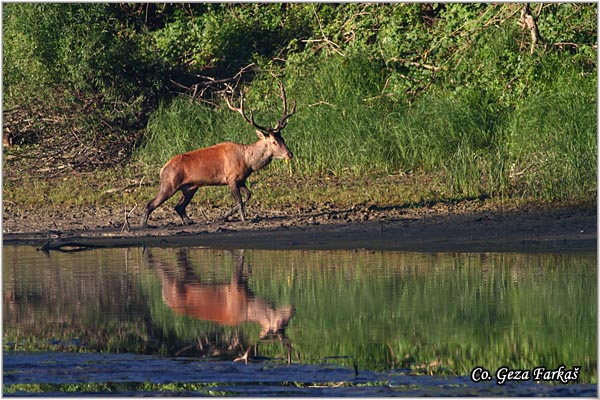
{"x":552,"y":143}
{"x":458,"y":90}
{"x":542,"y":147}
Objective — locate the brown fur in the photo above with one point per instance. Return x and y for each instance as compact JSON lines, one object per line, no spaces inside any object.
{"x":222,"y":164}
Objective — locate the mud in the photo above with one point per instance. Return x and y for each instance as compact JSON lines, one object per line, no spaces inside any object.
{"x":465,"y":226}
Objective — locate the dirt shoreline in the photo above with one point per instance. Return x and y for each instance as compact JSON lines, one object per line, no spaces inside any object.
{"x":464,"y":227}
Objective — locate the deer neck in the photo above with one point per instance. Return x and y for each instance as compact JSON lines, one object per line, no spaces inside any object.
{"x":271,"y":320}
{"x":257,"y":155}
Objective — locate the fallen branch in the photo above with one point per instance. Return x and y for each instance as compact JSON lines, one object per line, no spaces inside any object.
{"x":126,"y":227}
{"x":198,"y":90}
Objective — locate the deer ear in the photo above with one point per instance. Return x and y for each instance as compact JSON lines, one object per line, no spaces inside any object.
{"x":260,"y":134}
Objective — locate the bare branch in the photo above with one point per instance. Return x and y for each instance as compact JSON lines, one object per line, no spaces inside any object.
{"x":209,"y":84}
{"x":528,"y":22}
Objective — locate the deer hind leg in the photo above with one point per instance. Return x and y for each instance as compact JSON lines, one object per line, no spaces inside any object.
{"x":188,"y":193}
{"x":165,"y":192}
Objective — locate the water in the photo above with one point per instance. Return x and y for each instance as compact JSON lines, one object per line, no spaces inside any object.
{"x":352,"y":323}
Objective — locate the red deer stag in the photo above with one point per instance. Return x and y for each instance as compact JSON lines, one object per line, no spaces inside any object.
{"x":228,"y":304}
{"x":222,"y":164}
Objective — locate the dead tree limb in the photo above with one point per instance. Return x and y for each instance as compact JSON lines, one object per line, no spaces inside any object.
{"x":527,"y":21}
{"x":208,"y":83}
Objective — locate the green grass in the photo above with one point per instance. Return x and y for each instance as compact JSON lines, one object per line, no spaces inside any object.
{"x":552,"y":142}
{"x":352,"y":142}
{"x":543,"y":149}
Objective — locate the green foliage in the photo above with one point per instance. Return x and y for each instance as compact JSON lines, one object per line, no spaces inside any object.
{"x":225,"y":38}
{"x":84,"y":47}
{"x":84,"y":75}
{"x":442,"y":88}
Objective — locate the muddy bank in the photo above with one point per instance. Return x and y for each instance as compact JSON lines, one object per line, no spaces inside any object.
{"x":128,"y":375}
{"x":467,"y":226}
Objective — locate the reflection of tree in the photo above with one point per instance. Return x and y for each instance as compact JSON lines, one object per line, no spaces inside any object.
{"x":226,"y":303}
{"x":72,"y":301}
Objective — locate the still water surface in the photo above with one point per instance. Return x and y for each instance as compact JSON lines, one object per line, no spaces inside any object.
{"x":351,"y":322}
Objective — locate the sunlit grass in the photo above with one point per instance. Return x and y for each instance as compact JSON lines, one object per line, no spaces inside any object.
{"x":543,"y":149}
{"x":353,"y":146}
{"x":273,"y":187}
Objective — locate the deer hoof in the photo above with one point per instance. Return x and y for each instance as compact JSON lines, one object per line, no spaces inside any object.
{"x":244,"y":358}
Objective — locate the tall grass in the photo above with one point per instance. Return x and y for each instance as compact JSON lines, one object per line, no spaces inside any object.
{"x":552,"y":142}
{"x":183,"y":126}
{"x":542,"y":147}
{"x":459,"y":135}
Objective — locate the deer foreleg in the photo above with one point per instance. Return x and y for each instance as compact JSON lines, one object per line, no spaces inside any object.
{"x":236,"y":192}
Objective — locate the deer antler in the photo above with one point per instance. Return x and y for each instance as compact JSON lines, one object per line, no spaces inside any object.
{"x":240,"y":110}
{"x":283,"y":121}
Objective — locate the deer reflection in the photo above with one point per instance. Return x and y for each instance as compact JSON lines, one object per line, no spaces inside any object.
{"x":230,"y":303}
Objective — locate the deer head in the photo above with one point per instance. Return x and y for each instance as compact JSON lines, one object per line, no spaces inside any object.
{"x":271,"y":136}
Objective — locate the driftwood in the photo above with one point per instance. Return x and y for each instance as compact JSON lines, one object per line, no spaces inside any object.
{"x":74,"y":245}
{"x":69,"y":247}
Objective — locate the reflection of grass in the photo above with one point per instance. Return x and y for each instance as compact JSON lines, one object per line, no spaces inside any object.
{"x":430,"y":313}
{"x":165,"y":389}
{"x":439,"y":313}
